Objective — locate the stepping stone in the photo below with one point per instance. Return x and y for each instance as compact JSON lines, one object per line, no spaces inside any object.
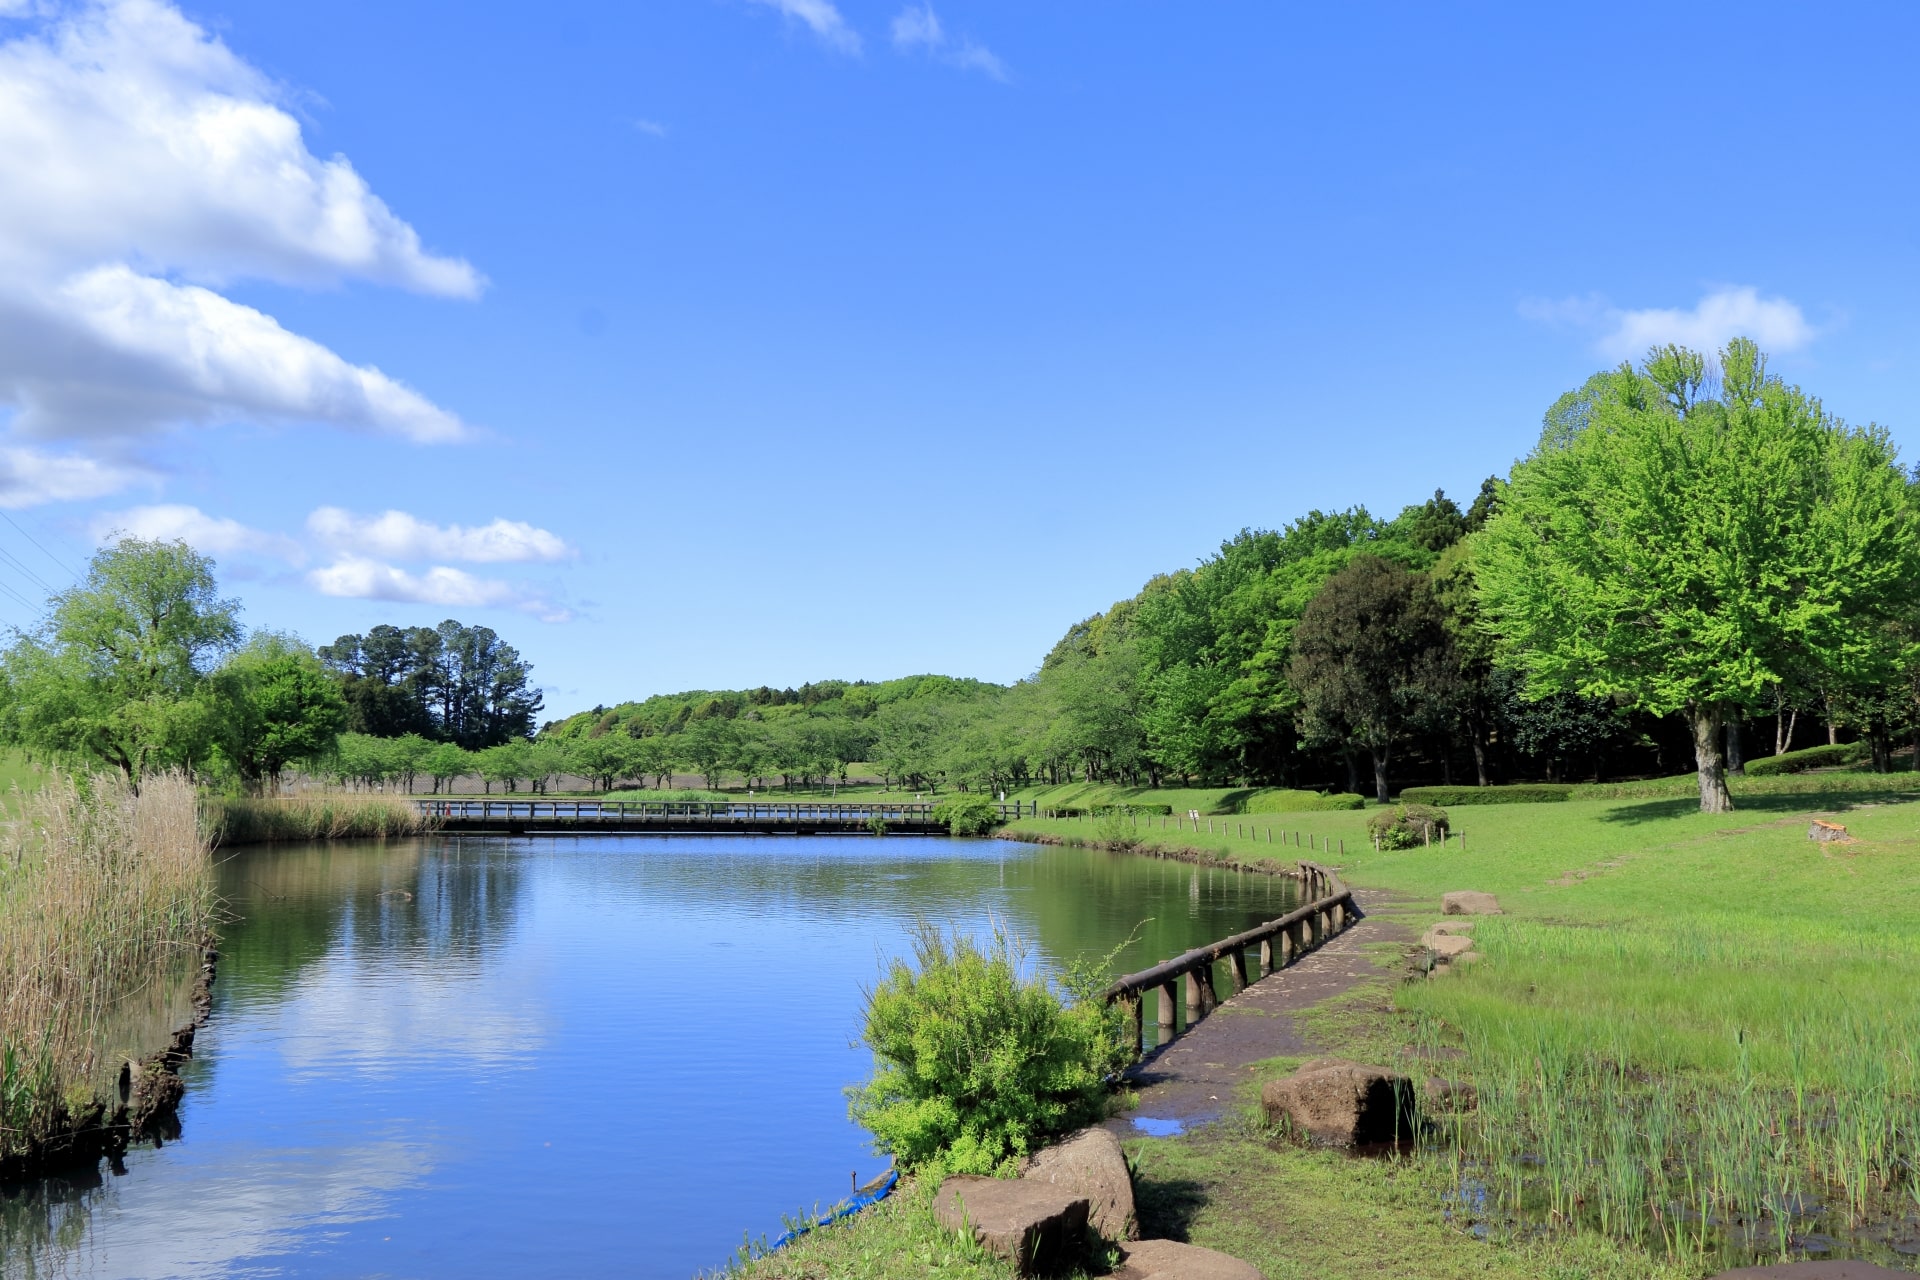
{"x":1468,"y":902}
{"x":1823,"y":1270}
{"x":1090,"y":1163}
{"x":1035,"y":1226}
{"x":1171,"y":1260}
{"x":1342,"y":1102}
{"x":1447,"y":945}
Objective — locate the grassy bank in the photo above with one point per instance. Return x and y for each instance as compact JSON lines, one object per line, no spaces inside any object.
{"x":336,"y":816}
{"x":106,"y":900}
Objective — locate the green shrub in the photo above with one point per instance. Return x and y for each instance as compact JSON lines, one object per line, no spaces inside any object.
{"x":1820,"y":757}
{"x":1132,"y":810}
{"x":975,"y":1065}
{"x":1525,"y":793}
{"x":1404,"y":826}
{"x":1283,"y":800}
{"x":967,"y":813}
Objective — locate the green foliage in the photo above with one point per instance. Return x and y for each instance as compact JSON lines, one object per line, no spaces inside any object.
{"x":1131,"y":809}
{"x":967,"y":813}
{"x":280,"y":707}
{"x":1281,"y":800}
{"x":1690,"y":553}
{"x":451,"y":683}
{"x":1519,"y":794}
{"x":1405,"y":826}
{"x":976,"y":1064}
{"x":116,"y":675}
{"x":1821,"y":757}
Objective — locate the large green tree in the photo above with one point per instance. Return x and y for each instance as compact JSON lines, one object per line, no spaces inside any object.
{"x":278,"y":706}
{"x":1686,"y":538}
{"x":1372,"y":661}
{"x":117,"y":673}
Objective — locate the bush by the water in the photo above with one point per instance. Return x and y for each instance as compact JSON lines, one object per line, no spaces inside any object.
{"x":105,"y":896}
{"x":1404,"y":826}
{"x":975,"y":1064}
{"x":235,"y":820}
{"x":1521,"y":793}
{"x":1820,"y":757}
{"x":967,"y":813}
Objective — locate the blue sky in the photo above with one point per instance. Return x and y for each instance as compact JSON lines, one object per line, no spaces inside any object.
{"x":705,"y":343}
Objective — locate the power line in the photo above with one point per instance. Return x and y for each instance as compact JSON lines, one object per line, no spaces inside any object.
{"x":39,"y":581}
{"x":67,"y":568}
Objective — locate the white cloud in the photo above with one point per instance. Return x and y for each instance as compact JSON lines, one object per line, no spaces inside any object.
{"x":652,"y":127}
{"x":822,"y":18}
{"x":919,"y":29}
{"x":1729,"y":312}
{"x":216,"y":535}
{"x":146,"y":165}
{"x":396,"y":535}
{"x":358,"y":578}
{"x":29,"y":478}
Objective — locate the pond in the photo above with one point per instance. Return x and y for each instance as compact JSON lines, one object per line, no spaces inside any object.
{"x":609,"y":1055}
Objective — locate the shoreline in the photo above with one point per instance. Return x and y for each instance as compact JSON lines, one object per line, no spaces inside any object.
{"x":146,"y":1108}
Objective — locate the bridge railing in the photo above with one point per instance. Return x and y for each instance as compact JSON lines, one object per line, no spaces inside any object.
{"x":510,"y":809}
{"x":1329,"y":909}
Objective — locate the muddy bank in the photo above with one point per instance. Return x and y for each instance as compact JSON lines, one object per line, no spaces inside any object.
{"x":144,"y":1106}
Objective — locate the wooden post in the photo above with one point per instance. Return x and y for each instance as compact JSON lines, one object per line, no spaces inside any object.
{"x":1237,"y":968}
{"x":1266,"y":956}
{"x":1196,"y":1010}
{"x":1209,"y":997}
{"x":1169,"y":1005}
{"x":1136,"y":1014}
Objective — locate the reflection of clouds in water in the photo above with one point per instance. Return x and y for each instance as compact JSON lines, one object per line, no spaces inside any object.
{"x":349,"y":1013}
{"x":278,"y":1201}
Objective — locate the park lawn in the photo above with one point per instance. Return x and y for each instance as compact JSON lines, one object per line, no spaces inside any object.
{"x":1208,"y":800}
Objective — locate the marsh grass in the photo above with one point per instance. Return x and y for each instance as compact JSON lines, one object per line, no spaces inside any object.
{"x":325,"y":816}
{"x":106,"y":899}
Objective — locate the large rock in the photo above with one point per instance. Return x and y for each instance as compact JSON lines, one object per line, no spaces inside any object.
{"x":1447,"y":945}
{"x":1171,"y":1260}
{"x":1035,"y":1226}
{"x":1090,"y":1163}
{"x":1343,"y":1102}
{"x":1468,"y":902}
{"x":1827,"y":1270}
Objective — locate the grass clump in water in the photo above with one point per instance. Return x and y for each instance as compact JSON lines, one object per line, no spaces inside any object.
{"x":102,"y":892}
{"x":236,"y":820}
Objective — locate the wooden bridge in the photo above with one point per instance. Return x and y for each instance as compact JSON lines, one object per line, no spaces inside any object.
{"x":1278,"y":943}
{"x":684,"y":817}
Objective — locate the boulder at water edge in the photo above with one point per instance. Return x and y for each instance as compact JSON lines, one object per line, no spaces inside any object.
{"x":1090,"y":1163}
{"x":1469,"y":902}
{"x":1035,"y":1226}
{"x":1342,"y":1102}
{"x":1171,"y":1260}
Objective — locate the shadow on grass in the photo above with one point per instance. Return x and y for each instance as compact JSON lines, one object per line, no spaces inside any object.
{"x":1774,"y":805}
{"x":1166,"y":1209}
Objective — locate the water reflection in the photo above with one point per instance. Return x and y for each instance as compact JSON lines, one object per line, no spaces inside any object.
{"x":603,"y":1055}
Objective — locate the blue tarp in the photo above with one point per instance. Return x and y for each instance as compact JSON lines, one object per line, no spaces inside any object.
{"x":845,"y":1209}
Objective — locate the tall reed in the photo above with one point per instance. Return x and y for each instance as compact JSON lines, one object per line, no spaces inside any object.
{"x":104,"y":896}
{"x":327,"y":816}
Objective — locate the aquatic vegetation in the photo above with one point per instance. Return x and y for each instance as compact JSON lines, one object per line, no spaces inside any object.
{"x":326,"y":816}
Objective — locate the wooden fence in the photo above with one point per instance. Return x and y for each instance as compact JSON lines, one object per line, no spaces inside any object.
{"x":1278,"y":943}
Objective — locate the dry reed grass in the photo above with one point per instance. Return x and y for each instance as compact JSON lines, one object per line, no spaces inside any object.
{"x":104,"y":897}
{"x":233,"y":821}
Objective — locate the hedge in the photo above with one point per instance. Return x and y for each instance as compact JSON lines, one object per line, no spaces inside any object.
{"x":1523,"y":793}
{"x":1820,"y":757}
{"x":1129,"y":809}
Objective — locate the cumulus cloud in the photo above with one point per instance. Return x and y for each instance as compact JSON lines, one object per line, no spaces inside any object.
{"x":397,"y":535}
{"x":146,"y":166}
{"x":30,"y":477}
{"x":1730,"y":312}
{"x":215,"y":535}
{"x":822,"y":18}
{"x":918,"y":29}
{"x":358,"y":578}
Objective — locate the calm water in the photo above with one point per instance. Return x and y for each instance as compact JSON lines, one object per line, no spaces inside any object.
{"x":608,"y":1056}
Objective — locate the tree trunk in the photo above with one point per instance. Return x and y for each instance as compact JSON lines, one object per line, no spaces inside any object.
{"x":1736,"y":763}
{"x":1708,"y":725}
{"x":1353,"y":773}
{"x":1880,"y":743}
{"x":1479,"y":752}
{"x":1380,"y":774}
{"x":1783,"y":726}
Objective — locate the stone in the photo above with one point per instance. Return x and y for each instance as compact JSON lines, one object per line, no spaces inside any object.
{"x":1821,"y":830}
{"x":1452,"y":928}
{"x":1090,"y":1163}
{"x":1447,"y":945}
{"x":1467,"y":902}
{"x":1451,"y":1095}
{"x":1342,"y":1102}
{"x":1823,"y":1270}
{"x":1035,"y":1226}
{"x":1171,"y":1260}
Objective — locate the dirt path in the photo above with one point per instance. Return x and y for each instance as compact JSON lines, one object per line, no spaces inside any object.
{"x":1193,"y":1080}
